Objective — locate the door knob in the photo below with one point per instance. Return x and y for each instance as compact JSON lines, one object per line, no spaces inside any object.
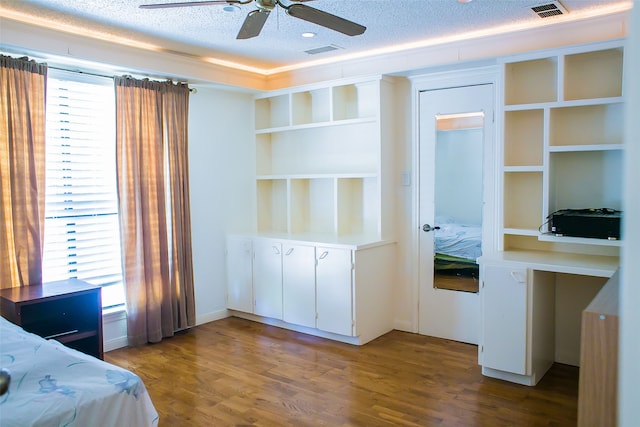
{"x":427,"y":228}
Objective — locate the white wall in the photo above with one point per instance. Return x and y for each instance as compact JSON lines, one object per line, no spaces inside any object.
{"x":221,"y":162}
{"x":221,"y":159}
{"x":458,"y":192}
{"x":629,"y":368}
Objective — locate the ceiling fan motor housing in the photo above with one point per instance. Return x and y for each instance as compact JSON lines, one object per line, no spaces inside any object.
{"x":267,"y":5}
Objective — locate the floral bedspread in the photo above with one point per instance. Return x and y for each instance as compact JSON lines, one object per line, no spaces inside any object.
{"x":53,"y":385}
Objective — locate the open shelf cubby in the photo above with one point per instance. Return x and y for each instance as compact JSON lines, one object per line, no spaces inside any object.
{"x":272,"y":205}
{"x":532,"y":81}
{"x":585,"y":179}
{"x":355,"y":101}
{"x":522,"y":200}
{"x":320,"y":168}
{"x":596,"y":74}
{"x":272,"y":112}
{"x":563,"y":141}
{"x":312,"y":206}
{"x":311,"y":106}
{"x":587,"y":125}
{"x":325,"y":150}
{"x":524,"y":138}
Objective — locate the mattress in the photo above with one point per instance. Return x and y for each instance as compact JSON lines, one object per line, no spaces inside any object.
{"x":459,"y":240}
{"x":53,"y":385}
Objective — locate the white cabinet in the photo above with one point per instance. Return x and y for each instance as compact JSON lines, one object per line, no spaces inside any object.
{"x":334,"y":291}
{"x":531,"y":309}
{"x":504,"y":329}
{"x":239,"y":273}
{"x":340,"y":292}
{"x":267,"y":278}
{"x":324,"y":185}
{"x":299,"y":284}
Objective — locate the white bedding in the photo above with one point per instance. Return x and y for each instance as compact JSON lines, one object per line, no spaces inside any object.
{"x":459,"y":240}
{"x":53,"y":385}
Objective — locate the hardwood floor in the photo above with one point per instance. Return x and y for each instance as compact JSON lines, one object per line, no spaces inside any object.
{"x":235,"y":372}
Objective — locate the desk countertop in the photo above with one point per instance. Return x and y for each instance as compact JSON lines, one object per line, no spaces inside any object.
{"x":559,"y":262}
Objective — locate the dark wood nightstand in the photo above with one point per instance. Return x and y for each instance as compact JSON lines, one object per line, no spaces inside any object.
{"x":69,"y":311}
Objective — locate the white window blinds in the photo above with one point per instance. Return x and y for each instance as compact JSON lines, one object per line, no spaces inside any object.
{"x":82,"y":238}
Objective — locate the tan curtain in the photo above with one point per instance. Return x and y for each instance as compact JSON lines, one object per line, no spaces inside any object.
{"x":151,"y":148}
{"x":22,"y":168}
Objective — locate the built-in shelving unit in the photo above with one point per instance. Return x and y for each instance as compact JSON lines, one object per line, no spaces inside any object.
{"x":563,"y":140}
{"x":322,"y":260}
{"x":321,"y":167}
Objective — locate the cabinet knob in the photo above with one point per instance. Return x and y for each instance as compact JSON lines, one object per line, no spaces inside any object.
{"x":276,"y":250}
{"x":324,"y":255}
{"x":289,"y":251}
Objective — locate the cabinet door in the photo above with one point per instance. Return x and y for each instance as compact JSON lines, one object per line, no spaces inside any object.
{"x":267,"y":278}
{"x":299,"y":284}
{"x":239,"y":274}
{"x":334,"y":296}
{"x":504,"y":297}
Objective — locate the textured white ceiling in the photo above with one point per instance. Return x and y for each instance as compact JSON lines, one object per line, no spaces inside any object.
{"x":209,"y":31}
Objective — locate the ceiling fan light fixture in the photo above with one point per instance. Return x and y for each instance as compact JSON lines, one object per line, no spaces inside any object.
{"x":231,"y":8}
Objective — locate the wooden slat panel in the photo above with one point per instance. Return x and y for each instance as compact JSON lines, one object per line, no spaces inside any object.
{"x":599,"y":359}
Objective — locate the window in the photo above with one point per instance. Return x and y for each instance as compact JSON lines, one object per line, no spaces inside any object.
{"x":81,"y":230}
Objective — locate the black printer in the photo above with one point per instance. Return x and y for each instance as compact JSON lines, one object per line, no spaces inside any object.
{"x":602,"y":223}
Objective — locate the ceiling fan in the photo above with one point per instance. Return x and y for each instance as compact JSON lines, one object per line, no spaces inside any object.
{"x":256,"y":19}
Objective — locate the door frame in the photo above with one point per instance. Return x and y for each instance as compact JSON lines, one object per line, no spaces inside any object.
{"x":491,"y":212}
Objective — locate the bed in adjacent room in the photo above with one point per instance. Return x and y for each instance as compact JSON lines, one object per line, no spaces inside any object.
{"x":457,"y":247}
{"x":53,"y":385}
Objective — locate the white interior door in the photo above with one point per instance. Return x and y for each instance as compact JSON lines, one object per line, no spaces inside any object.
{"x":455,"y":135}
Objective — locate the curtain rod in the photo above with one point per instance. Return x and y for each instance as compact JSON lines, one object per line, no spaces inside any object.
{"x":192,"y":90}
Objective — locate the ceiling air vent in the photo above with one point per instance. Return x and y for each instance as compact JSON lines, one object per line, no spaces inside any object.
{"x":550,"y":9}
{"x":322,"y":49}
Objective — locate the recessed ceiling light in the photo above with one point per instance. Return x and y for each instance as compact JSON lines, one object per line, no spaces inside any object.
{"x":308,"y":34}
{"x":231,"y":8}
{"x":464,"y":1}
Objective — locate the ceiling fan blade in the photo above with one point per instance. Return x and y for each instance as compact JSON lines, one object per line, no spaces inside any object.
{"x":189,"y":3}
{"x":325,"y":19}
{"x":253,"y":24}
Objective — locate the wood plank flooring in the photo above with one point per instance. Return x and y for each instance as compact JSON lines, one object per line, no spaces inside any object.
{"x":235,"y":372}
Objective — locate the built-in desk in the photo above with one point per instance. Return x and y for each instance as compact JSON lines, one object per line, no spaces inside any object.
{"x":532,"y":303}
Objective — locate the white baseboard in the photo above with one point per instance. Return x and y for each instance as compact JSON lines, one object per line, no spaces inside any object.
{"x":114,"y":327}
{"x":404,"y":325}
{"x":115,"y":344}
{"x":212,"y":317}
{"x":298,"y":328}
{"x":114,"y":330}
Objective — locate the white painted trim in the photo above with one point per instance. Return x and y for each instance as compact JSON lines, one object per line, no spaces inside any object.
{"x":114,"y":320}
{"x":441,"y":80}
{"x":115,"y":344}
{"x":403,"y":325}
{"x":401,"y":62}
{"x":629,"y":338}
{"x":30,"y":39}
{"x":117,"y":321}
{"x":297,"y":328}
{"x":201,"y":319}
{"x":528,"y":380}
